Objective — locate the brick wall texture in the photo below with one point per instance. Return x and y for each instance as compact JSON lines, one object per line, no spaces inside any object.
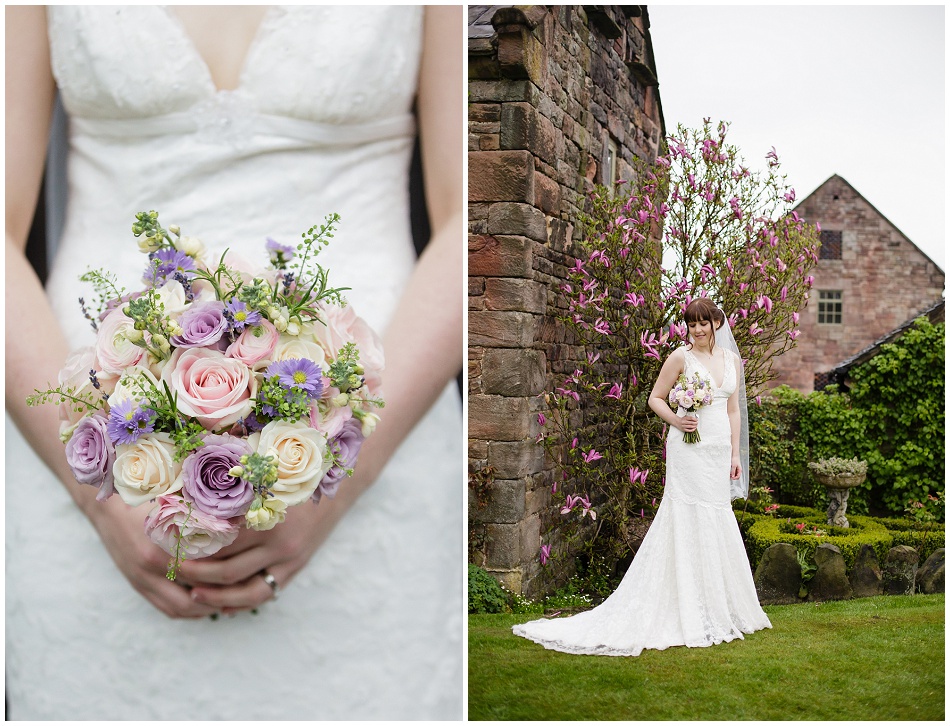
{"x":550,"y":90}
{"x":883,"y":277}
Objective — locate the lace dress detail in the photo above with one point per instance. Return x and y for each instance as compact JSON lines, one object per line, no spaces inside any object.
{"x":321,"y":122}
{"x":690,"y":582}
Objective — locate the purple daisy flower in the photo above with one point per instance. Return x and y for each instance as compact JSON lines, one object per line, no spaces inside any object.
{"x":166,"y":264}
{"x":128,"y":420}
{"x":239,"y":316}
{"x":280,"y":254}
{"x":300,"y":373}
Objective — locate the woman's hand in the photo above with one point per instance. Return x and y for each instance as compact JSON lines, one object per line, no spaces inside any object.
{"x":735,"y":469}
{"x":143,"y":563}
{"x":687,"y":423}
{"x":231,"y":580}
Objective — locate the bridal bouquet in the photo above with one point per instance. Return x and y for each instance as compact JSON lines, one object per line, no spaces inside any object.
{"x":220,"y":394}
{"x":690,"y":394}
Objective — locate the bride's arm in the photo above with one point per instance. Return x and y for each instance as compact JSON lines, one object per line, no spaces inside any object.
{"x":35,"y":345}
{"x":423,"y":343}
{"x":670,"y":371}
{"x":735,"y":425}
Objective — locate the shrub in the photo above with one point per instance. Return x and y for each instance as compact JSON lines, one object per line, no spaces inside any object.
{"x":485,"y":595}
{"x":900,"y":393}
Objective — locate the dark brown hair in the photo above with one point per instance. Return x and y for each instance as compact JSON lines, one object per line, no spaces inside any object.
{"x":704,"y":309}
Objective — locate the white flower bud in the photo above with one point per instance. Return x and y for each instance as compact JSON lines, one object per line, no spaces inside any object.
{"x":280,"y":322}
{"x":174,"y":229}
{"x":236,"y":471}
{"x":191,"y":246}
{"x":293,"y":328}
{"x":369,"y":424}
{"x":340,"y":400}
{"x":149,"y":244}
{"x":133,"y":335}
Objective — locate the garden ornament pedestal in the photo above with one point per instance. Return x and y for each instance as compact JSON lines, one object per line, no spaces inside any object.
{"x":839,"y":486}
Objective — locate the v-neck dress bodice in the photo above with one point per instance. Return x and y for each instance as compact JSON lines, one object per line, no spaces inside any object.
{"x":321,"y":123}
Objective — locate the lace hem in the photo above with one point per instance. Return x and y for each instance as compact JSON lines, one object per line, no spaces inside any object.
{"x":682,"y":499}
{"x":562,"y":647}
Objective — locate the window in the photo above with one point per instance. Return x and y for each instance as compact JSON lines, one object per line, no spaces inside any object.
{"x":830,"y":245}
{"x":829,"y":307}
{"x":610,"y":163}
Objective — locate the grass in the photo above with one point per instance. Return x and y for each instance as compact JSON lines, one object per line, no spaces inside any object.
{"x":878,"y":658}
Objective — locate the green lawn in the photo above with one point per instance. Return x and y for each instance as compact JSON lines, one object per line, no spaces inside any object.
{"x":876,"y":658}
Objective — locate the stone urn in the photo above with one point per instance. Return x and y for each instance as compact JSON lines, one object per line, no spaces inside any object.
{"x":839,"y":486}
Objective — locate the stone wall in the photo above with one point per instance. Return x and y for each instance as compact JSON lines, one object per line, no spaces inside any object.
{"x":560,"y":99}
{"x":883,"y":277}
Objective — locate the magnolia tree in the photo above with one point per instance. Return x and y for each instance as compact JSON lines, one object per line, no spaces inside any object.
{"x":697,"y":222}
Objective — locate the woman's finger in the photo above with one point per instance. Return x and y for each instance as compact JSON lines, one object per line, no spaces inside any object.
{"x":248,"y":594}
{"x":228,"y":571}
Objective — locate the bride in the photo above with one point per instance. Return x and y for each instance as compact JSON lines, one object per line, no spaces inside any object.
{"x":690,"y":582}
{"x":239,"y":124}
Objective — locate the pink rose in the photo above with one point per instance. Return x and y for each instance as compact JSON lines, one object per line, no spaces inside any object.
{"x":213,"y":388}
{"x":114,"y":350}
{"x":328,"y":418}
{"x":344,"y":326}
{"x":174,"y":522}
{"x":254,"y":344}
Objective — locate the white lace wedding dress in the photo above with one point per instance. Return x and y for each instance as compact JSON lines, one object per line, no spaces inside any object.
{"x":690,"y":582}
{"x":321,"y":123}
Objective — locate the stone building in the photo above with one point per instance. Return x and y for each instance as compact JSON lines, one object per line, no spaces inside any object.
{"x":870,"y":279}
{"x":560,"y":98}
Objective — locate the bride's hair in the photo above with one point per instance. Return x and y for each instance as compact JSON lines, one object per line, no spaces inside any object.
{"x":704,"y":309}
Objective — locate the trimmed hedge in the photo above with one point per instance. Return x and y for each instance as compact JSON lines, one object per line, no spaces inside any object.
{"x":759,"y":532}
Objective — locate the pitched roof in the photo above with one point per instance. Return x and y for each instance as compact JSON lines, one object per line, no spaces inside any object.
{"x":876,"y":210}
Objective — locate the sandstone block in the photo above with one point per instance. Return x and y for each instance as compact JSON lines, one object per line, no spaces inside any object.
{"x":500,"y":256}
{"x":522,"y":127}
{"x":778,"y":578}
{"x":865,"y":578}
{"x":501,"y":329}
{"x":900,"y":570}
{"x":516,"y":459}
{"x":513,"y":372}
{"x":930,"y":576}
{"x":515,"y":294}
{"x":547,"y":193}
{"x":500,"y":176}
{"x":517,"y":219}
{"x":830,"y":581}
{"x":506,"y":501}
{"x":499,"y":418}
{"x":502,"y":546}
{"x":504,"y":90}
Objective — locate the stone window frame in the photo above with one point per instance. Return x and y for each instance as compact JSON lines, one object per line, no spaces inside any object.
{"x":830,"y":307}
{"x":831,"y":244}
{"x":608,"y":173}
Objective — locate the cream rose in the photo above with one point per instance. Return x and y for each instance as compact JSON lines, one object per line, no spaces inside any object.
{"x":302,"y":346}
{"x":301,"y":458}
{"x":75,"y":375}
{"x":114,"y":351}
{"x":127,"y":389}
{"x":344,"y":326}
{"x":213,"y":388}
{"x":146,"y":469}
{"x":255,"y":344}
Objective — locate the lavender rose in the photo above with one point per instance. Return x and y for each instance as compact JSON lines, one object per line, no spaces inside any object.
{"x":90,"y":454}
{"x":201,"y":534}
{"x":207,"y":482}
{"x":202,"y":325}
{"x":346,"y":447}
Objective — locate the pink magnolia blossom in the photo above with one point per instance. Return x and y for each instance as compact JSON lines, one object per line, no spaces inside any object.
{"x":765,"y":302}
{"x":615,"y":391}
{"x":758,"y":400}
{"x":592,"y":456}
{"x":541,"y":419}
{"x":793,"y":334}
{"x":795,"y":318}
{"x":784,"y":293}
{"x":545,"y":554}
{"x":602,"y":327}
{"x":790,"y":195}
{"x":755,"y":329}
